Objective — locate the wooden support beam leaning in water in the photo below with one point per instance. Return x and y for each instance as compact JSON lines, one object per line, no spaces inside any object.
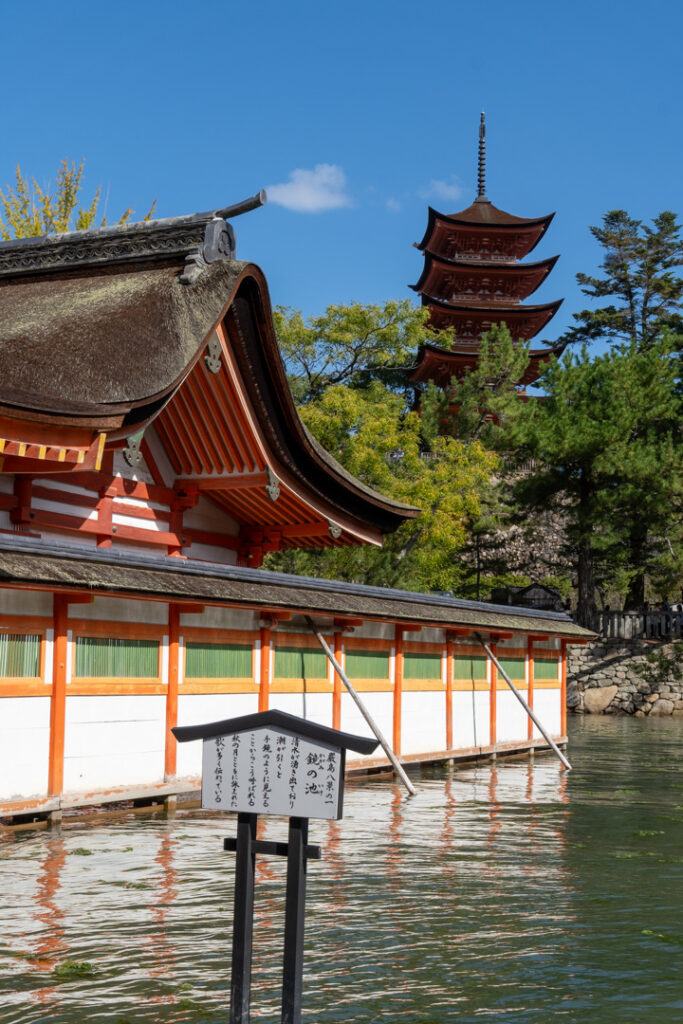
{"x":398,"y":768}
{"x":524,"y":704}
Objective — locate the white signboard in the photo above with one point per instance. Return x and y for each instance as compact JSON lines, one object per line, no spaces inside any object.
{"x":272,"y":771}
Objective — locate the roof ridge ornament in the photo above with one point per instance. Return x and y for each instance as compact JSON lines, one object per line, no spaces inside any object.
{"x":206,"y":235}
{"x":481,"y":165}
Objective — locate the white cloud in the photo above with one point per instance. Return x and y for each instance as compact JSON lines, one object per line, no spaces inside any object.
{"x":323,"y":188}
{"x":439,"y":189}
{"x":393,"y":205}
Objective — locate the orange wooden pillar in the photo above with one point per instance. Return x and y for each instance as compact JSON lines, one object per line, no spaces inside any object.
{"x":264,"y":679}
{"x":60,"y":613}
{"x":449,"y":694}
{"x":171,"y":749}
{"x":530,"y":691}
{"x":493,"y":696}
{"x":337,"y":691}
{"x":563,"y":689}
{"x":398,"y":688}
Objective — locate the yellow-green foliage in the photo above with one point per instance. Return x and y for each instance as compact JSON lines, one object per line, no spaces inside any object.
{"x":27,"y":209}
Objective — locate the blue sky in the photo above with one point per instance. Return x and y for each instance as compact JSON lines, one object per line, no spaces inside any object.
{"x":359,"y":114}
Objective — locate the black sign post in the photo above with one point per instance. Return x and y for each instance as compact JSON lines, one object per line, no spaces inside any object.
{"x":272,"y":763}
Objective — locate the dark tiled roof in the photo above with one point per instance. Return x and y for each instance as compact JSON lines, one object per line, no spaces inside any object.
{"x":60,"y":565}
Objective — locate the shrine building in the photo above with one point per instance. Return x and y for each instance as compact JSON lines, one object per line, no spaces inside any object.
{"x":150,"y":455}
{"x":473,"y":278}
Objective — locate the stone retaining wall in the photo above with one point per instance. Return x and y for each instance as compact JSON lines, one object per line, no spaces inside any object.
{"x":632,"y":677}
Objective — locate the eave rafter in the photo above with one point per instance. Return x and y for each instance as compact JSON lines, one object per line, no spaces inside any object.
{"x":210,"y":430}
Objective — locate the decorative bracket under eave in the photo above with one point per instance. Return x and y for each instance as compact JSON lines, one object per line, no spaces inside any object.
{"x":273,"y":485}
{"x":132,"y":453}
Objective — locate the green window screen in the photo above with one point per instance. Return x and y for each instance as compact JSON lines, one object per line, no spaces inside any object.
{"x":367,"y":664}
{"x":19,"y":655}
{"x":515,"y":668}
{"x":546,"y":669}
{"x":300,"y":663}
{"x":422,"y":666}
{"x":109,"y":657}
{"x":470,"y":666}
{"x":217,"y":661}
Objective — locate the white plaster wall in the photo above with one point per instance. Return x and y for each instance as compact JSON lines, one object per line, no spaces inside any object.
{"x":427,"y":635}
{"x":377,"y":630}
{"x":113,"y":741}
{"x":423,"y":721}
{"x":117,"y":609}
{"x":470,"y":719}
{"x":198,"y":708}
{"x":24,"y":746}
{"x":75,"y":540}
{"x":547,"y":705}
{"x":222,"y":618}
{"x":380,"y":706}
{"x":210,"y":553}
{"x":159,"y":455}
{"x":25,"y":602}
{"x":207,"y":516}
{"x":315,"y":707}
{"x":511,"y":718}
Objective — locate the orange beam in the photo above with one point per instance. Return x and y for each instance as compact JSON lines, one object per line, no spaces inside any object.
{"x":398,"y":688}
{"x":264,"y":680}
{"x":563,"y":688}
{"x":235,"y":482}
{"x":449,"y":695}
{"x":337,"y":691}
{"x":530,"y":693}
{"x":60,"y":612}
{"x":171,"y":750}
{"x":492,"y":699}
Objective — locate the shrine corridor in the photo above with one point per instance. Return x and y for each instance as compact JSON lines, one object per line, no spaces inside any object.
{"x":513,"y":893}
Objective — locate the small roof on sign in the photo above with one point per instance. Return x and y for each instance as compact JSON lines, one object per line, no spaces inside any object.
{"x":276,"y":720}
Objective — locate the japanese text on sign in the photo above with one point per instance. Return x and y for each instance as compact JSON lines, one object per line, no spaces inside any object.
{"x":268,"y":771}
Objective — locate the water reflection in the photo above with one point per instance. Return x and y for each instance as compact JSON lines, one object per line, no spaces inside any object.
{"x":511,"y":890}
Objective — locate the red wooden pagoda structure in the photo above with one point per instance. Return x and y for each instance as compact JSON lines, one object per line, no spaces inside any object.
{"x":473,"y":279}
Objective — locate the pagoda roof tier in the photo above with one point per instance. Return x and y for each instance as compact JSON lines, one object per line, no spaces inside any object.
{"x":470,"y":320}
{"x":105,"y":333}
{"x":441,"y":365}
{"x":484,"y":231}
{"x":450,"y":280}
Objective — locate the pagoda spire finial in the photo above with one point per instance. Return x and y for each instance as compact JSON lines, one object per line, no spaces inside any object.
{"x":481,"y":171}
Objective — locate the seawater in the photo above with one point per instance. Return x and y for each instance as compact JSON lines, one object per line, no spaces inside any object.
{"x":510,"y":892}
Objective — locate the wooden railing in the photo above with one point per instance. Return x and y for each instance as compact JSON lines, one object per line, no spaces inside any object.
{"x":639,"y":625}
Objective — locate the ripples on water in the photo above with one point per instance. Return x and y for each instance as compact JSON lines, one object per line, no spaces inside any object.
{"x":512,"y":893}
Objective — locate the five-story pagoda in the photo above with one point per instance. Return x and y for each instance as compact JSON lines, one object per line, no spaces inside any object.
{"x":473,"y":279}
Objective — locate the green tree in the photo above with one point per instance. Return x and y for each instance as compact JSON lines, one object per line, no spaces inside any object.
{"x":603,"y":446}
{"x":639,"y":277}
{"x":480,"y":406}
{"x":27,"y":209}
{"x":347,"y":369}
{"x":351,"y":346}
{"x":482,"y":402}
{"x":638,"y":266}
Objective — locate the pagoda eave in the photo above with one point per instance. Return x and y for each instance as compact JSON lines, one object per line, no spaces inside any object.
{"x":442,"y":278}
{"x":441,"y":365}
{"x":451,"y":234}
{"x":469,"y":322}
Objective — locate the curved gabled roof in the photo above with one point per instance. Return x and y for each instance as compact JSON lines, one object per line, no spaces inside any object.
{"x":105,"y":344}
